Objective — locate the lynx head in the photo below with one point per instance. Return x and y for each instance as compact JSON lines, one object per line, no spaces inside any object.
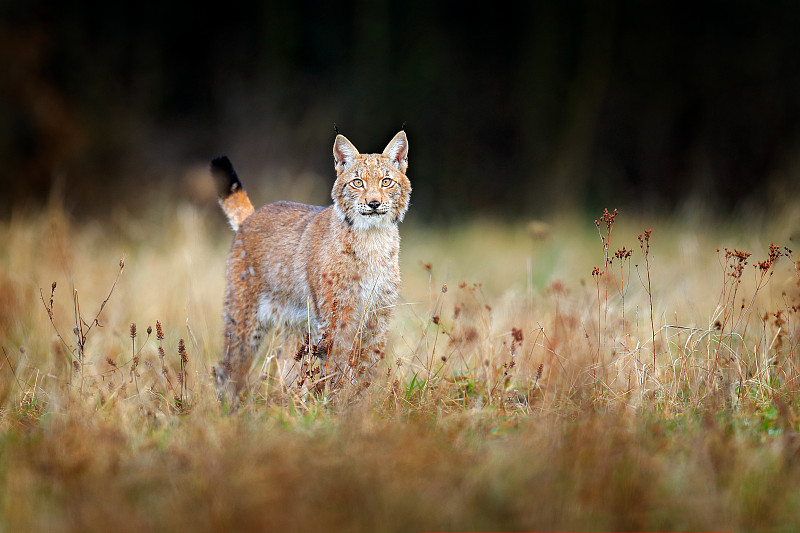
{"x":371,"y":190}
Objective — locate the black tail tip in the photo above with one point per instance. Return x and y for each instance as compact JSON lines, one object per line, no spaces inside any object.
{"x":225,"y":178}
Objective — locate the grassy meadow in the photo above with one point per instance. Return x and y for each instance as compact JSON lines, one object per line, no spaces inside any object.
{"x":541,"y":375}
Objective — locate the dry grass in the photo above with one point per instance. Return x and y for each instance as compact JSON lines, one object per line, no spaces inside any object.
{"x":521,"y":390}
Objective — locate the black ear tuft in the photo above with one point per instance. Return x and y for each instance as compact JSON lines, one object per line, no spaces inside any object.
{"x":225,"y":178}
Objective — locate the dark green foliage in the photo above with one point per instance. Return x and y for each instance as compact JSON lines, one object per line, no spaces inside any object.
{"x":563,"y":104}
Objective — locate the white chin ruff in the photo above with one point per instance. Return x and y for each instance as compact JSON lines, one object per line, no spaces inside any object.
{"x":371,"y":221}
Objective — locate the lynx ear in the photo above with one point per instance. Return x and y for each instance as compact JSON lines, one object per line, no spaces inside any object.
{"x":343,"y":152}
{"x":397,"y":151}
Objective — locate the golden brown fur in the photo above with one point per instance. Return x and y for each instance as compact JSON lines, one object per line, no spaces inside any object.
{"x":237,"y":207}
{"x":329,"y":272}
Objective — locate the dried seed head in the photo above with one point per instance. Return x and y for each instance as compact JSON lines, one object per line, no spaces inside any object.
{"x":607,"y":218}
{"x":182,"y":351}
{"x":159,"y":331}
{"x":133,"y":330}
{"x":149,"y":330}
{"x":644,"y":241}
{"x":302,"y":350}
{"x":623,"y":253}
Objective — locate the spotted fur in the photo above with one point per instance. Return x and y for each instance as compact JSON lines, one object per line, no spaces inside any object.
{"x":332,"y":272}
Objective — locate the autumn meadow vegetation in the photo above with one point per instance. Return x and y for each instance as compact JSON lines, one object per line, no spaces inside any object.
{"x":628,"y":373}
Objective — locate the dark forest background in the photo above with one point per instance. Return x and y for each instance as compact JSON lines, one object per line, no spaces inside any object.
{"x":517,"y":108}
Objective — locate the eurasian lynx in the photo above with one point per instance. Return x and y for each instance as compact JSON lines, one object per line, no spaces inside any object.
{"x":328,"y":277}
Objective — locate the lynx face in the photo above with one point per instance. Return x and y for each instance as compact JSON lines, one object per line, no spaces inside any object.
{"x":371,"y":191}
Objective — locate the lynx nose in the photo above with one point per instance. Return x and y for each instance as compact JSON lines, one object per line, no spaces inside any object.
{"x":374,"y":204}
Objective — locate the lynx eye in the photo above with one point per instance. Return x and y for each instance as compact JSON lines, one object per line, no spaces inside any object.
{"x":357,"y":183}
{"x":386,"y":182}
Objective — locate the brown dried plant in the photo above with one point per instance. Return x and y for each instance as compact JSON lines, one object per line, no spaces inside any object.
{"x":82,"y":328}
{"x":644,"y":245}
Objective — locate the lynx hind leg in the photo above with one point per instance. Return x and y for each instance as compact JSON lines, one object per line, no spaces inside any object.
{"x":244,"y":329}
{"x":242,"y":342}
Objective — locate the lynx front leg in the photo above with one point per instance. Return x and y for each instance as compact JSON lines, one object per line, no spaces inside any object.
{"x":357,"y":349}
{"x":373,"y":337}
{"x":332,"y":315}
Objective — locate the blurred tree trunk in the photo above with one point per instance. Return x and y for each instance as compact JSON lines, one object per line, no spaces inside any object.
{"x":568,"y":164}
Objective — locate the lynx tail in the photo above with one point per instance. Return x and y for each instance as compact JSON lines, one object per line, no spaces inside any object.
{"x":232,"y":197}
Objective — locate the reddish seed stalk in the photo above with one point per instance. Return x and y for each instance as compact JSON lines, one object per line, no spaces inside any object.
{"x":623,"y":254}
{"x":652,"y":324}
{"x":735,"y":261}
{"x":644,"y":244}
{"x":184,"y":359}
{"x":608,"y":220}
{"x":622,"y":292}
{"x":596,"y":275}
